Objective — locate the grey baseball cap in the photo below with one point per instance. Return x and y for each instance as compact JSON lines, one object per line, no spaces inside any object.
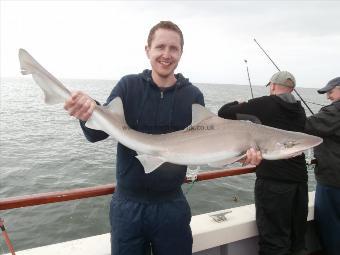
{"x":330,"y":85}
{"x":283,"y":78}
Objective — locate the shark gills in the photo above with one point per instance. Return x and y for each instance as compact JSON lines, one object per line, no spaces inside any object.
{"x":209,"y":140}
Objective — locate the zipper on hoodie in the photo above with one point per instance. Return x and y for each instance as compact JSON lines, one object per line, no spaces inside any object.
{"x":162,"y":95}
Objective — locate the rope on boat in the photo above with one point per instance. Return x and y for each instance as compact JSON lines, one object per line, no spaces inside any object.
{"x":191,"y":177}
{"x":6,"y":237}
{"x":191,"y":186}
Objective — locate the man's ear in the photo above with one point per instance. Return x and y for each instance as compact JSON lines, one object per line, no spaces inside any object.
{"x":272,"y":89}
{"x":147,"y":51}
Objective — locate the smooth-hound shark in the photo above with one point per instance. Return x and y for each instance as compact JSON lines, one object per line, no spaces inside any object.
{"x":209,"y":140}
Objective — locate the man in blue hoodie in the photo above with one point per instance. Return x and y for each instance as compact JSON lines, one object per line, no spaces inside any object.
{"x":150,"y":210}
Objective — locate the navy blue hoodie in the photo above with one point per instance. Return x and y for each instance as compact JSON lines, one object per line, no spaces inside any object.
{"x":149,"y":109}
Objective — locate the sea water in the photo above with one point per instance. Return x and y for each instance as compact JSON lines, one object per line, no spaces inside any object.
{"x":44,"y":150}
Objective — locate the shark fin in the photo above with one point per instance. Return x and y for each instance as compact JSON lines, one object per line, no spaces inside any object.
{"x":116,"y":106}
{"x":113,"y":110}
{"x":55,"y":92}
{"x":227,"y":161}
{"x":200,"y":113}
{"x":27,"y":62}
{"x":92,"y":123}
{"x":49,"y":96}
{"x":150,"y":163}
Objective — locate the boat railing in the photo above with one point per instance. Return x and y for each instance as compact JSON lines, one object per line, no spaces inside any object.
{"x":107,"y":189}
{"x":101,"y":190}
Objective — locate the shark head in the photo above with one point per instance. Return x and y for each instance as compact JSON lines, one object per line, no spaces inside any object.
{"x":288,"y":145}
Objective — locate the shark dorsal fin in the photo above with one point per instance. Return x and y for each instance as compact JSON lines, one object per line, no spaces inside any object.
{"x":116,"y":106}
{"x":200,"y":113}
{"x":112,"y":110}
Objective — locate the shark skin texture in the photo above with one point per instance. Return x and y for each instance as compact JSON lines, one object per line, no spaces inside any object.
{"x":209,"y":140}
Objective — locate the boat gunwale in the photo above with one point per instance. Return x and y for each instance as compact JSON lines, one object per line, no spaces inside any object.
{"x":106,"y":189}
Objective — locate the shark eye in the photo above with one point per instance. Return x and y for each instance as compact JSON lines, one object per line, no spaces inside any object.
{"x":289,"y":144}
{"x":285,"y":145}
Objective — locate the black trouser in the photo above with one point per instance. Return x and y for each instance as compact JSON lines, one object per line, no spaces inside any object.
{"x":135,"y":226}
{"x":281,"y":216}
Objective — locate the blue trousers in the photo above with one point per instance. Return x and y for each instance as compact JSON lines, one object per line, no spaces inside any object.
{"x":327,"y":217}
{"x":138,"y":227}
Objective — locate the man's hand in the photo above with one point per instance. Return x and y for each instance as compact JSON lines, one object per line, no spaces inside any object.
{"x":80,"y":105}
{"x":254,"y":157}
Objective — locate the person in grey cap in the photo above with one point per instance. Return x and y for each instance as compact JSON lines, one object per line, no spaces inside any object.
{"x":326,"y":124}
{"x":281,"y":192}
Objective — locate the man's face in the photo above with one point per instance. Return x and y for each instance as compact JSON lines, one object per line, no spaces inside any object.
{"x":164,"y":53}
{"x":334,"y":94}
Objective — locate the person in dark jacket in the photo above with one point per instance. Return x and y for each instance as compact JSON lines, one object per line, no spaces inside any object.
{"x":326,"y":124}
{"x":150,"y":210}
{"x":281,"y":193}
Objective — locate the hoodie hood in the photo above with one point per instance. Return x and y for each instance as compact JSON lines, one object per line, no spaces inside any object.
{"x":168,"y":96}
{"x":181,"y":80}
{"x":289,"y":104}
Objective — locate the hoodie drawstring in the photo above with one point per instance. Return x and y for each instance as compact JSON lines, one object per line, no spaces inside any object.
{"x":172,"y":105}
{"x":145,"y":95}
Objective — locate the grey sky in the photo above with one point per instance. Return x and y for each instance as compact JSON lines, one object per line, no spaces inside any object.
{"x":105,"y":39}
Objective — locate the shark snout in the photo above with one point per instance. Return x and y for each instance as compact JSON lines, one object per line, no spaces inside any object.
{"x":291,"y":148}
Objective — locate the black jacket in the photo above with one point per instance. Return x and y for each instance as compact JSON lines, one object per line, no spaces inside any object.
{"x":150,"y":110}
{"x":282,"y":112}
{"x":326,"y":124}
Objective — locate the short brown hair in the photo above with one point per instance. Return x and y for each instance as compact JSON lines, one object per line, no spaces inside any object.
{"x":165,"y":25}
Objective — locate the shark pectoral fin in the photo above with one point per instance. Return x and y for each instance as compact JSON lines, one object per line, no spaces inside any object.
{"x":150,"y":163}
{"x":227,"y":161}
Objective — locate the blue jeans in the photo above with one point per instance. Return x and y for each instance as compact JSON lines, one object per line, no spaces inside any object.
{"x":138,"y":227}
{"x":327,"y":217}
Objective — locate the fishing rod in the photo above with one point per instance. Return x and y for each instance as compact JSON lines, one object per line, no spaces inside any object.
{"x":251,"y":88}
{"x":280,"y":70}
{"x":6,"y":237}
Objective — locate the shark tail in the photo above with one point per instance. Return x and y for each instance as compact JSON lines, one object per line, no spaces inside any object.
{"x":54,"y":91}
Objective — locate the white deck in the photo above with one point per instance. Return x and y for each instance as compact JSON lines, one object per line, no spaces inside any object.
{"x":207,"y":234}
